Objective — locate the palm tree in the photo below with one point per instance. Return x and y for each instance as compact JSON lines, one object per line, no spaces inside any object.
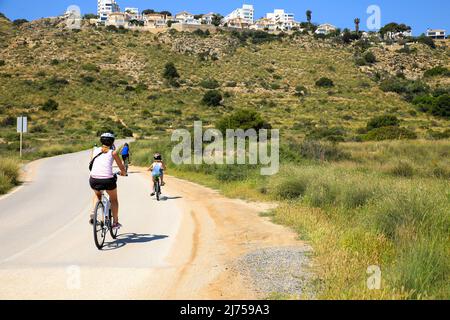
{"x":309,"y":16}
{"x":357,"y":21}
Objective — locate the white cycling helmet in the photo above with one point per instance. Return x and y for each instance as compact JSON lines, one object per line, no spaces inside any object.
{"x":107,"y":139}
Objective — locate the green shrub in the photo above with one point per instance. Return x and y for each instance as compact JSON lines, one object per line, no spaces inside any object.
{"x":209,"y":84}
{"x":389,"y":133}
{"x":90,"y":67}
{"x":111,"y":28}
{"x":402,"y":169}
{"x":19,"y":22}
{"x":320,"y":150}
{"x":231,"y":84}
{"x":427,"y":41}
{"x":292,"y":187}
{"x":383,"y":121}
{"x":212,"y":98}
{"x":170,"y":71}
{"x":438,"y":106}
{"x":301,"y":91}
{"x":325,"y":83}
{"x":231,"y":173}
{"x":403,"y":86}
{"x":335,"y":134}
{"x":87,"y":79}
{"x":437,"y":71}
{"x":370,"y":58}
{"x":50,"y":105}
{"x":242,"y":119}
{"x":54,"y":62}
{"x":2,"y":63}
{"x":9,"y":121}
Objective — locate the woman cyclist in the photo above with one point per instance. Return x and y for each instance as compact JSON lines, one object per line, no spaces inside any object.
{"x":102,"y":177}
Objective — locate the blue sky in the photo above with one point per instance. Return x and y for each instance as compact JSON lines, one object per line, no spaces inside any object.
{"x":419,"y":14}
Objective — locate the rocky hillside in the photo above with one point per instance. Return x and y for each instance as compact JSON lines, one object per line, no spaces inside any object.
{"x":74,"y":83}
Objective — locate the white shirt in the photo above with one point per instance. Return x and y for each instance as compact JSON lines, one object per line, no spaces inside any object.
{"x":103,"y":165}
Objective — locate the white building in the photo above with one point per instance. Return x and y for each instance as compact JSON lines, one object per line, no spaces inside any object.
{"x":105,"y":7}
{"x":246,"y":14}
{"x":185,"y":17}
{"x":134,"y":13}
{"x":208,"y":18}
{"x":325,"y":29}
{"x":436,"y":33}
{"x":281,"y":19}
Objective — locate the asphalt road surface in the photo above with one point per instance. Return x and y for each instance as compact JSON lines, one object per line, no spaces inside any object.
{"x":46,"y":244}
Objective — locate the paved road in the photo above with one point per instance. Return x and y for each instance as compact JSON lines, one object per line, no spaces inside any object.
{"x":46,"y":241}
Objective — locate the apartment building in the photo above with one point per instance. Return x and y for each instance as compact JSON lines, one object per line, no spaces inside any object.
{"x":105,"y":7}
{"x":281,"y":19}
{"x":245,"y":14}
{"x":436,"y":34}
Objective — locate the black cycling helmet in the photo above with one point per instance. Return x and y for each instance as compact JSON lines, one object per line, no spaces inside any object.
{"x":157,"y":156}
{"x":107,"y":139}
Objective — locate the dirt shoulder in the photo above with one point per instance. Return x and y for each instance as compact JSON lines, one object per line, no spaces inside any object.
{"x":217,"y":233}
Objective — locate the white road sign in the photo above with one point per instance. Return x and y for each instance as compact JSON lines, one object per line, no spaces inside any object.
{"x":22,"y":124}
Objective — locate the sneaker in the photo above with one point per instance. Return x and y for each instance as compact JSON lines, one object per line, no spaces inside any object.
{"x":91,"y":220}
{"x":117,"y":226}
{"x":152,"y":194}
{"x":163,"y":184}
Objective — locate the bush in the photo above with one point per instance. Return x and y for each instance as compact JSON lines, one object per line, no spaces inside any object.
{"x":90,"y":67}
{"x":2,"y":63}
{"x":383,"y":121}
{"x":292,"y":187}
{"x":389,"y":133}
{"x":408,"y":88}
{"x":54,"y":62}
{"x":369,"y":57}
{"x":427,"y":41}
{"x":325,"y":82}
{"x":111,"y":28}
{"x":438,"y":106}
{"x":50,"y":105}
{"x":320,"y":151}
{"x":212,"y":98}
{"x":301,"y":91}
{"x":242,"y":119}
{"x":9,"y":121}
{"x":9,"y":175}
{"x":231,"y":84}
{"x":19,"y":22}
{"x":402,"y":169}
{"x":437,"y":71}
{"x":170,"y":71}
{"x":87,"y":79}
{"x":334,"y":134}
{"x":209,"y":84}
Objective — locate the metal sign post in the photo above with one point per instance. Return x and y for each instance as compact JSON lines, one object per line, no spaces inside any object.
{"x":22,"y":127}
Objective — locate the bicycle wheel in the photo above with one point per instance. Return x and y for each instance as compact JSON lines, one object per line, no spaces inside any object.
{"x":99,"y":225}
{"x":111,"y":230}
{"x":158,"y":190}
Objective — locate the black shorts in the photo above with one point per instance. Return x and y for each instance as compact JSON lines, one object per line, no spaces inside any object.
{"x":103,"y":184}
{"x":125,"y":157}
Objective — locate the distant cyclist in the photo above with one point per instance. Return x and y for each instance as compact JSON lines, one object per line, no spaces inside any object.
{"x":157,"y":168}
{"x":102,"y":177}
{"x":126,"y":155}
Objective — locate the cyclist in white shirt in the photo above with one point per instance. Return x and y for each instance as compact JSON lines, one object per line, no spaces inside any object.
{"x":102,"y":177}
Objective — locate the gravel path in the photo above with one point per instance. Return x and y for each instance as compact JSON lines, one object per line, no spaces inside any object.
{"x":280,"y":272}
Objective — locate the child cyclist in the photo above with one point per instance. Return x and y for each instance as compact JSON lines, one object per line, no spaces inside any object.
{"x":157,"y":168}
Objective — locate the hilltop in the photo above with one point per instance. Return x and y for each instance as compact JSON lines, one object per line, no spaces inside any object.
{"x":100,"y":78}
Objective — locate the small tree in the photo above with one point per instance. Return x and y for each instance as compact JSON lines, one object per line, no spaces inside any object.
{"x":369,"y":57}
{"x":19,"y":22}
{"x":50,"y":105}
{"x":243,"y":119}
{"x":325,"y":82}
{"x":170,"y":71}
{"x":212,"y":98}
{"x":89,"y":16}
{"x":217,"y":19}
{"x":383,"y":121}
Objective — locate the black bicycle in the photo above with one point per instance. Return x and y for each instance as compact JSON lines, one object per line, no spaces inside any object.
{"x":103,"y":220}
{"x":157,"y":188}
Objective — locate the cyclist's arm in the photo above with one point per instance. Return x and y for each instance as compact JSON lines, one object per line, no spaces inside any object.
{"x":119,"y":163}
{"x":164,"y":166}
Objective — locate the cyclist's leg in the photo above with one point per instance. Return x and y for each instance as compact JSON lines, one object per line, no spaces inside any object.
{"x":114,"y":204}
{"x":162,"y":179}
{"x":97,"y":197}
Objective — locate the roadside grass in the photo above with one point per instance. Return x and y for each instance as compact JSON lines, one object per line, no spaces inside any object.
{"x":9,"y":174}
{"x":354,"y":214}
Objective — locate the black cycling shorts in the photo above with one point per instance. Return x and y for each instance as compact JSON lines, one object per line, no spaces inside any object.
{"x":125,"y":157}
{"x":103,"y":184}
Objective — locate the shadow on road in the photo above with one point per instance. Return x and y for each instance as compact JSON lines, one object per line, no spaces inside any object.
{"x":130,"y":238}
{"x":165,"y":198}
